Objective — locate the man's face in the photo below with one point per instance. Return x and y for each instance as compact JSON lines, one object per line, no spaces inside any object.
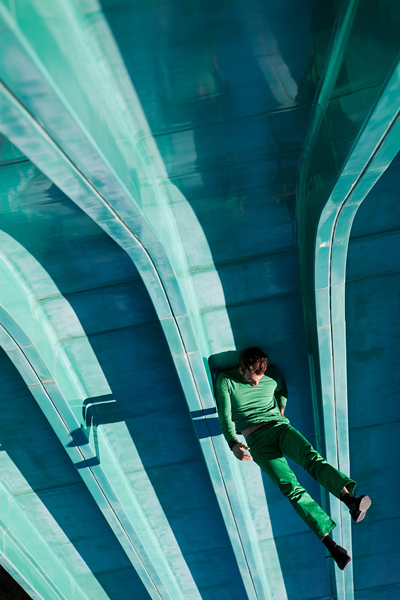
{"x":250,"y":378}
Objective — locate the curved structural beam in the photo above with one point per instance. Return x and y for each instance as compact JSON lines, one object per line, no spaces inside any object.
{"x":110,"y":198}
{"x":329,"y":195}
{"x":43,"y":571}
{"x":106,"y":481}
{"x":376,"y":148}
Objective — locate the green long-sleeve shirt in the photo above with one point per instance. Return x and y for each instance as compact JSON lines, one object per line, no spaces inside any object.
{"x":241,"y":405}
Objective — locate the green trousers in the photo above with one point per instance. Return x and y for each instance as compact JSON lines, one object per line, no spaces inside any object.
{"x":267,"y":447}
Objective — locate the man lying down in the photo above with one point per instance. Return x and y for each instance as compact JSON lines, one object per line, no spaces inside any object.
{"x":251,"y":400}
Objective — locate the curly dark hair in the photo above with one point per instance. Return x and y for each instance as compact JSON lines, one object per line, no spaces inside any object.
{"x":254,"y":359}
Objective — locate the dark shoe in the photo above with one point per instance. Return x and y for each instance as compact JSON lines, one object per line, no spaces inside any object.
{"x":358,"y":507}
{"x":340,"y":556}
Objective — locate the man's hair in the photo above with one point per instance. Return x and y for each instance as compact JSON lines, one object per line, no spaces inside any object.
{"x":254,"y":360}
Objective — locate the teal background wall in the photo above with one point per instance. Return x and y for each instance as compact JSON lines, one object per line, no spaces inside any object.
{"x":179,"y":181}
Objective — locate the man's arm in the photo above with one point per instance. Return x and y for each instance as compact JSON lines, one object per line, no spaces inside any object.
{"x":225,"y":418}
{"x":281,"y":393}
{"x":223,"y":399}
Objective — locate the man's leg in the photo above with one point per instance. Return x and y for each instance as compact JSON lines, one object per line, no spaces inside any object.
{"x":295,"y":446}
{"x":271,"y":461}
{"x":276,"y":467}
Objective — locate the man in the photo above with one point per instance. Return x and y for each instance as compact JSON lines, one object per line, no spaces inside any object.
{"x":251,"y":400}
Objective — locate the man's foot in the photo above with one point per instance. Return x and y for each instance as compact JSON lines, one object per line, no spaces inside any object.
{"x":340,"y":556}
{"x":338,"y":553}
{"x":357,"y":506}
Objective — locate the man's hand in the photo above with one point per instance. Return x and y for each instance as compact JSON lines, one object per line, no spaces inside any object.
{"x":240,"y":453}
{"x":282,"y":409}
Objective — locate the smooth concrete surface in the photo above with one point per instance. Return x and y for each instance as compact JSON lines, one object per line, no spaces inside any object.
{"x":176,"y":185}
